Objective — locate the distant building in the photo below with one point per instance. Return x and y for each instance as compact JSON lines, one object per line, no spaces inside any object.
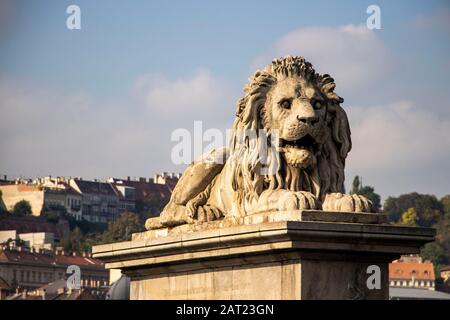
{"x":445,"y":273}
{"x":5,"y":289}
{"x":13,"y":193}
{"x":94,"y":201}
{"x":28,"y":224}
{"x":145,"y":190}
{"x":28,"y":270}
{"x":411,"y":272}
{"x":44,"y":193}
{"x":126,"y":196}
{"x":99,"y":200}
{"x":33,"y":240}
{"x":69,"y":199}
{"x":58,"y":290}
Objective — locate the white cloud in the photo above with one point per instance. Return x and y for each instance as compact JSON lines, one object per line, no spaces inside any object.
{"x":182,"y":96}
{"x":61,"y":133}
{"x":400,"y":148}
{"x":353,"y":55}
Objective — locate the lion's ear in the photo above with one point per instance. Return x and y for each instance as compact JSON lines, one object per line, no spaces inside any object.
{"x":250,"y":114}
{"x":340,"y":130}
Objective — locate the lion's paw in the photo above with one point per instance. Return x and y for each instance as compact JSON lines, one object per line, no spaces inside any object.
{"x":208,"y":213}
{"x":297,"y":201}
{"x":347,"y":203}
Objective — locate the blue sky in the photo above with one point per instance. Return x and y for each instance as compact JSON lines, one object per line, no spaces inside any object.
{"x":99,"y":101}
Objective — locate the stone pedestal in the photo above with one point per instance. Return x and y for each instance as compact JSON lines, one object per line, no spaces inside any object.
{"x":280,"y":255}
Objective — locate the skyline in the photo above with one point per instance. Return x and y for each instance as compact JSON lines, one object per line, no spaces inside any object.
{"x":103,"y":101}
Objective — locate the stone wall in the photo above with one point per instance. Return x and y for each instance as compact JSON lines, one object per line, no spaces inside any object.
{"x":12,"y":194}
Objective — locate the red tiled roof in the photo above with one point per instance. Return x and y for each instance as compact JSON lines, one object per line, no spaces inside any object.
{"x":39,"y":258}
{"x":408,"y":270}
{"x":95,"y":187}
{"x":144,"y":189}
{"x":77,"y":260}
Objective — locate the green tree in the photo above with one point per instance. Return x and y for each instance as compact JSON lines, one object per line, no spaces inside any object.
{"x":122,"y":228}
{"x":428,"y":208}
{"x":445,"y":200}
{"x":355,"y":185}
{"x":22,"y":208}
{"x":436,"y":254}
{"x":409,"y":217}
{"x":77,"y":242}
{"x":367,"y":191}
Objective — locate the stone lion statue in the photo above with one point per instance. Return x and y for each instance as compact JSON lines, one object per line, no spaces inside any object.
{"x":293,"y":157}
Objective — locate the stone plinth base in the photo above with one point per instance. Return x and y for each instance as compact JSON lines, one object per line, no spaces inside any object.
{"x":314,"y":257}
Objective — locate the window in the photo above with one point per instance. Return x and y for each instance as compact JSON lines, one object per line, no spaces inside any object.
{"x":22,"y":275}
{"x":28,"y":276}
{"x":14,"y":275}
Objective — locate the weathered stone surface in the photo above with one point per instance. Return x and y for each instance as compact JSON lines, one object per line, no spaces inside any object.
{"x":295,"y":162}
{"x":305,"y":260}
{"x":257,"y":218}
{"x":267,"y":217}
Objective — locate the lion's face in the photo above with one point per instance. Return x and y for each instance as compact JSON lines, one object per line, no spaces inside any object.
{"x":296,"y":112}
{"x":302,"y":113}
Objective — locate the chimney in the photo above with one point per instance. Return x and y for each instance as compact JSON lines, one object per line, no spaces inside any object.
{"x":5,"y":177}
{"x":142,"y":179}
{"x":128,"y":178}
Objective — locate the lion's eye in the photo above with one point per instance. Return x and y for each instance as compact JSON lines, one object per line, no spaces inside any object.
{"x":285,"y":104}
{"x":317,"y":104}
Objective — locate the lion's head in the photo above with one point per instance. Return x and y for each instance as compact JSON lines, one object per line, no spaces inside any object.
{"x":289,"y":100}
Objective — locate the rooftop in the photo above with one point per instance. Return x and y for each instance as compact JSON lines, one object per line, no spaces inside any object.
{"x":16,"y":256}
{"x":408,"y":270}
{"x":95,"y":187}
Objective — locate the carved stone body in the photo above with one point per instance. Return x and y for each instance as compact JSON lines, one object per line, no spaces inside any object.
{"x":287,"y":152}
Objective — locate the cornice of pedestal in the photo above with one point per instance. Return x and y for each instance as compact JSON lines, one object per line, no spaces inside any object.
{"x":312,"y":234}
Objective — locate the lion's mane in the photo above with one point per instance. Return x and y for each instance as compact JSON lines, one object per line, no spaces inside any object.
{"x":247,"y":163}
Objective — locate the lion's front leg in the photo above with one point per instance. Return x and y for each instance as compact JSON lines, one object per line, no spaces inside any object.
{"x":347,"y":203}
{"x":282,"y":200}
